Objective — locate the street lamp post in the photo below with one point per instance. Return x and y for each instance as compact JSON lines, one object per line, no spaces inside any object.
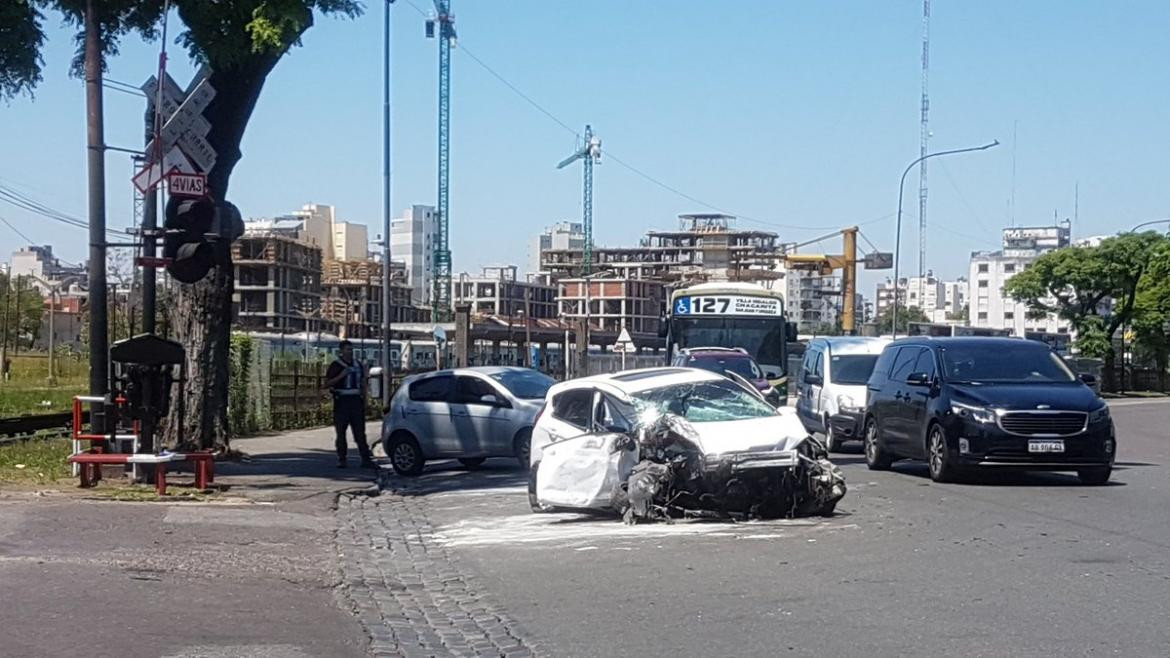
{"x":898,"y":230}
{"x":387,"y":295}
{"x":1149,"y":223}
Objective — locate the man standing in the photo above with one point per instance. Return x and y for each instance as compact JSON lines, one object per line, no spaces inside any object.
{"x":346,"y":378}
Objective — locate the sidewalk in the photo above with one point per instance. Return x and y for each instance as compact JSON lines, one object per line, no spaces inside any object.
{"x":252,"y":573}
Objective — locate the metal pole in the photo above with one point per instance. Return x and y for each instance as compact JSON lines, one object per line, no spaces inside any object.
{"x":528,"y":327}
{"x":898,"y":230}
{"x":52,"y":330}
{"x":16,"y":324}
{"x":98,"y":320}
{"x":387,"y":297}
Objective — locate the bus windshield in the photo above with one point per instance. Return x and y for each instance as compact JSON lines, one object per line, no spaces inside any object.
{"x":763,"y":338}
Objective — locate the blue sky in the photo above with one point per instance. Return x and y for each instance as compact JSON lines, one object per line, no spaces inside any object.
{"x":797,"y":114}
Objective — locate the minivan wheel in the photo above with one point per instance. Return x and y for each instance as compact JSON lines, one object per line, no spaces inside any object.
{"x":405,"y":455}
{"x":937,"y":458}
{"x":1095,"y":476}
{"x":876,"y":458}
{"x":831,"y":442}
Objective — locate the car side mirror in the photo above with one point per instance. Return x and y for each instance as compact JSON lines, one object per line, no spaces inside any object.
{"x":492,"y":400}
{"x":663,"y":327}
{"x":791,"y":331}
{"x":813,"y":380}
{"x":1088,"y":379}
{"x":918,"y":379}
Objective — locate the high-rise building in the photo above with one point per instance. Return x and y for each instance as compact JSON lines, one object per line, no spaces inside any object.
{"x":562,"y":235}
{"x":954,"y":296}
{"x":350,"y":241}
{"x":885,"y":295}
{"x":812,"y":299}
{"x":411,"y":242}
{"x":925,"y":293}
{"x":989,"y":271}
{"x":317,"y":226}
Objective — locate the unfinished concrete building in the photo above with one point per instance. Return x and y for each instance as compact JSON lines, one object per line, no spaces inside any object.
{"x":706,"y":247}
{"x":278,"y":284}
{"x":498,"y":291}
{"x":614,"y":303}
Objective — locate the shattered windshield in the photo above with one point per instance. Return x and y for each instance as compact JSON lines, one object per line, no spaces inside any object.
{"x":704,"y":402}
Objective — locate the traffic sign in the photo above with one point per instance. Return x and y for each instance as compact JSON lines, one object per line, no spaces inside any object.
{"x":187,"y":185}
{"x":153,"y":174}
{"x":625,"y":344}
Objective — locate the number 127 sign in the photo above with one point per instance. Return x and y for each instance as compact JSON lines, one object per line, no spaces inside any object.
{"x":727,"y":305}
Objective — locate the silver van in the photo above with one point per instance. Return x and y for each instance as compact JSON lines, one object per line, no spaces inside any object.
{"x":830,"y":387}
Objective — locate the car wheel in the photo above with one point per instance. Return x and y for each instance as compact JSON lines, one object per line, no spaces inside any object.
{"x":533,"y":503}
{"x":472,"y":462}
{"x":405,"y":455}
{"x":1095,"y":476}
{"x":831,"y":442}
{"x":876,"y":457}
{"x":522,"y":447}
{"x":938,"y":459}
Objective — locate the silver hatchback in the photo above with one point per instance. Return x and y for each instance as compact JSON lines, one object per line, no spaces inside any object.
{"x":468,"y":414}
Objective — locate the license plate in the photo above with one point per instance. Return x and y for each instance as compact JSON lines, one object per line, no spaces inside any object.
{"x":1046,"y":446}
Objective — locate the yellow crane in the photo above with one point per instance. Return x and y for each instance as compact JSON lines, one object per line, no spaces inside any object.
{"x":826,"y":264}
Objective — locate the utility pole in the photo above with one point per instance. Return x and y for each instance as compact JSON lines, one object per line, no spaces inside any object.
{"x":849,"y":282}
{"x":387,"y":275}
{"x":95,"y":143}
{"x":16,"y":321}
{"x":4,"y":342}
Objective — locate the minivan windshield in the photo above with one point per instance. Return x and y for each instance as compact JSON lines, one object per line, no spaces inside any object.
{"x":741,"y":365}
{"x":852,"y":368}
{"x":525,"y":384}
{"x":704,"y":402}
{"x":1026,"y":364}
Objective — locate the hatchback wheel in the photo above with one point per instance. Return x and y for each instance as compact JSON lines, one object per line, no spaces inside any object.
{"x":876,"y":457}
{"x":405,"y":455}
{"x":522,"y":447}
{"x":937,"y":456}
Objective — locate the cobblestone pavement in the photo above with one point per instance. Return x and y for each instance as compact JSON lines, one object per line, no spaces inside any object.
{"x":412,"y":595}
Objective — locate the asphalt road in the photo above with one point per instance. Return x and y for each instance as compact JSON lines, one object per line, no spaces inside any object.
{"x":1013,"y":564}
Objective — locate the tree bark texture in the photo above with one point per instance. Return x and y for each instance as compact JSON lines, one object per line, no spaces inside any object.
{"x":201,"y":313}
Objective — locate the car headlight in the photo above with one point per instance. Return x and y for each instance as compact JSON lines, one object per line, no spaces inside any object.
{"x":1100,"y":415}
{"x":977,"y":414}
{"x":847,"y":403}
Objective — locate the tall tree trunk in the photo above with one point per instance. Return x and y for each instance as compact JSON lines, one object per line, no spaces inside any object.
{"x":201,"y":313}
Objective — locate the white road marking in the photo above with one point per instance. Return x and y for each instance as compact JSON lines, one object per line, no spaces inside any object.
{"x":569,"y":529}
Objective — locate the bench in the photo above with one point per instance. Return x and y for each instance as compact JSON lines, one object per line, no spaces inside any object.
{"x":90,"y":463}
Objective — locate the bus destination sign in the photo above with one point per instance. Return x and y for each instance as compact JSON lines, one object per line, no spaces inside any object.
{"x":728,"y":305}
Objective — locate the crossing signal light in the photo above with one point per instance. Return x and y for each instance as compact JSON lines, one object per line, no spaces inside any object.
{"x":188,"y":221}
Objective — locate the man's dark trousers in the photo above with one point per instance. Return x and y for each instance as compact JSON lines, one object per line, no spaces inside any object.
{"x":350,"y":411}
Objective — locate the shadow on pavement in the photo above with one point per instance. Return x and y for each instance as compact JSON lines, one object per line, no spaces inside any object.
{"x":449,"y":476}
{"x":1007,"y":477}
{"x":316,"y":463}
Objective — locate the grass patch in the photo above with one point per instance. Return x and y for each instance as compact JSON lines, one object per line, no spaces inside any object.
{"x":18,"y":400}
{"x":35,"y":461}
{"x":145,"y":493}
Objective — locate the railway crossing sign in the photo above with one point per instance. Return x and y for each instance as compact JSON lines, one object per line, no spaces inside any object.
{"x":182,"y":136}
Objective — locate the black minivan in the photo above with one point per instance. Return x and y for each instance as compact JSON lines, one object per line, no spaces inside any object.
{"x":960,"y":403}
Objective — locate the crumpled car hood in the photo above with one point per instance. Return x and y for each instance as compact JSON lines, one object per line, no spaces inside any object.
{"x":781,"y":432}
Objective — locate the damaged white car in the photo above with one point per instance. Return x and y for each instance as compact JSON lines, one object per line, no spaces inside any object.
{"x":664,"y":443}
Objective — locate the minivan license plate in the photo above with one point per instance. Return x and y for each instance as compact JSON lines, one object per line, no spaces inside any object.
{"x":1046,"y":446}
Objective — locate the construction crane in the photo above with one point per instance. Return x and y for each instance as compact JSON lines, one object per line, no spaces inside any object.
{"x":440,"y":248}
{"x":824,"y":265}
{"x":590,"y":153}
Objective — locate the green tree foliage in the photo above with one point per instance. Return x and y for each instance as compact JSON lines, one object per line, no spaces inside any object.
{"x":21,"y":308}
{"x":885,"y":320}
{"x":240,"y":41}
{"x":1075,"y":284}
{"x":1151,"y":316}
